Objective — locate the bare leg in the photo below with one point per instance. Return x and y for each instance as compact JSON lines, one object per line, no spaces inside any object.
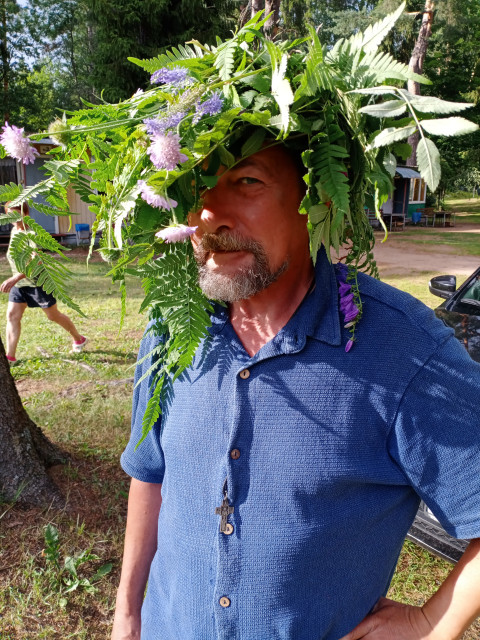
{"x":64,"y":321}
{"x":15,"y":312}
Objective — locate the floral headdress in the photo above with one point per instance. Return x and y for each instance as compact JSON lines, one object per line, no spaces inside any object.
{"x":142,"y":164}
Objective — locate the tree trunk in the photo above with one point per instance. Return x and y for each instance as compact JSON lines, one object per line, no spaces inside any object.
{"x":271,"y":25}
{"x":25,"y":453}
{"x":416,"y":65}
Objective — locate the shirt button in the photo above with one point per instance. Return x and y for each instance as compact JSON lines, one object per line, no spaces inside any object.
{"x":244,"y":374}
{"x":235,"y":454}
{"x":224,"y":602}
{"x":228,"y":529}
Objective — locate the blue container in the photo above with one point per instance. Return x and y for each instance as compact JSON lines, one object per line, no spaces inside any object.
{"x":82,"y":227}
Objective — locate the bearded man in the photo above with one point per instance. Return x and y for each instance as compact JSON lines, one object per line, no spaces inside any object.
{"x":271,"y":499}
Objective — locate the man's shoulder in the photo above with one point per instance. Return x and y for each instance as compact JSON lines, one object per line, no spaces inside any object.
{"x":388,"y":308}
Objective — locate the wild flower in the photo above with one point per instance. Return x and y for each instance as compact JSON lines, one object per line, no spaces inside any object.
{"x":17,"y":144}
{"x":348,"y":306}
{"x":177,"y":76}
{"x":161,"y":124}
{"x":210,"y":107}
{"x":155,"y":199}
{"x":165,"y":152}
{"x":177,"y":233}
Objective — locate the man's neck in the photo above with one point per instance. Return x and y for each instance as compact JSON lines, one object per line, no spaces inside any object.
{"x":257,"y":320}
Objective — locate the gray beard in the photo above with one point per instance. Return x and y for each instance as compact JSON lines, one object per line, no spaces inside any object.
{"x":246,"y":282}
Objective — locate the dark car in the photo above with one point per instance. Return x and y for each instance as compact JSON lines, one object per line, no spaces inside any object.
{"x":461,"y":311}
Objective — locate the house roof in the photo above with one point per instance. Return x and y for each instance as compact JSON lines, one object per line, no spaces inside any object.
{"x":406,"y":172}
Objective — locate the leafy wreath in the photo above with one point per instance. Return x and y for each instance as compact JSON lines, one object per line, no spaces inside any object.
{"x":142,"y":164}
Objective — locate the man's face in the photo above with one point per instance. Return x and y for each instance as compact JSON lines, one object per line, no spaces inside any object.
{"x":249,"y":230}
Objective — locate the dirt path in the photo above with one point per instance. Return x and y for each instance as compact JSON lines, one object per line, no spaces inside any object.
{"x":399,"y":256}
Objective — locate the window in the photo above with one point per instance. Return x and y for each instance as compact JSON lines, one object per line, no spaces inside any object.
{"x":418,"y":190}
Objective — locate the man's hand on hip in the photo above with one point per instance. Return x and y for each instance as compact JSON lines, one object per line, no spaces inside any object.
{"x":392,"y":620}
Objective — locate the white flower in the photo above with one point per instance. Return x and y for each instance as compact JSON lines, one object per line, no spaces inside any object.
{"x":155,"y":199}
{"x":17,"y":144}
{"x":177,"y":233}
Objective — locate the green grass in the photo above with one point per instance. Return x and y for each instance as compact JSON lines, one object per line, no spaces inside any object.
{"x":83,"y":403}
{"x":466,"y":209}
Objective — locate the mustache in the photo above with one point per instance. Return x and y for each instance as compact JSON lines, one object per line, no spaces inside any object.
{"x":227,"y":242}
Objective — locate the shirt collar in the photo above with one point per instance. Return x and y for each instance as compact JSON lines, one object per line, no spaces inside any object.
{"x":318,"y":314}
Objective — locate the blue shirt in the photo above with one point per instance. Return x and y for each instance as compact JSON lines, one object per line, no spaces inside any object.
{"x":326,"y":456}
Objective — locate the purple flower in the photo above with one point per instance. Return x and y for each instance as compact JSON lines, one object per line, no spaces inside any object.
{"x":155,"y":199}
{"x":210,"y":107}
{"x":165,"y":152}
{"x":347,"y":305}
{"x":176,"y":234}
{"x":17,"y":144}
{"x":344,"y":288}
{"x":352,"y":314}
{"x":178,"y":76}
{"x":160,"y":125}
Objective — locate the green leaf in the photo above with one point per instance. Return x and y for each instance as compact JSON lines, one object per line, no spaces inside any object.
{"x":388,"y":109}
{"x":429,"y":104}
{"x":226,"y":158}
{"x":374,"y":34}
{"x":29,"y":193}
{"x":449,"y":126}
{"x":253,"y":143}
{"x":10,"y":191}
{"x":225,"y":59}
{"x":375,"y":91}
{"x":428,"y":160}
{"x":390,"y":164}
{"x":318,"y":213}
{"x":209,"y":181}
{"x":102,"y":571}
{"x":402,"y":149}
{"x":392,"y":134}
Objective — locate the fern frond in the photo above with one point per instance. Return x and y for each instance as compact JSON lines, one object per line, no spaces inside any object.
{"x":177,"y":55}
{"x":50,"y":274}
{"x":10,"y":191}
{"x":374,"y":34}
{"x":42,"y":238}
{"x":225,"y":59}
{"x":8,"y":218}
{"x":29,"y":193}
{"x":327,"y":160}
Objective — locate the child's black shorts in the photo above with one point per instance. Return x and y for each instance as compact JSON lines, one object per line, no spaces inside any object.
{"x":32,"y":296}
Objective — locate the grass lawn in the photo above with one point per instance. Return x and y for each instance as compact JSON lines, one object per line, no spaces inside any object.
{"x":83,"y":403}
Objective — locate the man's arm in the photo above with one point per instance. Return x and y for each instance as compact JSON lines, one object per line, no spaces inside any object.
{"x":144,"y":503}
{"x":11,"y":282}
{"x":445,"y":616}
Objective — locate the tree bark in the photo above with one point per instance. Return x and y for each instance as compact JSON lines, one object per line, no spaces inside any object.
{"x":271,"y":25}
{"x":25,"y":452}
{"x":416,"y":65}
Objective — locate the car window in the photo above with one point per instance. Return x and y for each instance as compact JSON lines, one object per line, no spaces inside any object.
{"x":472,"y":295}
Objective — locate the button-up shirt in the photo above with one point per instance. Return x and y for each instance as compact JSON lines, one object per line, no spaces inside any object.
{"x":323,"y":455}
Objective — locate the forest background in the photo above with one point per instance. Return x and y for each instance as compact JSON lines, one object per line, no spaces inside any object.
{"x":57,"y":53}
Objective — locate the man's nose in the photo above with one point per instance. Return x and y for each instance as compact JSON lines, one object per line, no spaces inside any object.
{"x":215,"y":215}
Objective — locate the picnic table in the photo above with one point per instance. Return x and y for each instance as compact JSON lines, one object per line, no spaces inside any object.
{"x":428,"y":213}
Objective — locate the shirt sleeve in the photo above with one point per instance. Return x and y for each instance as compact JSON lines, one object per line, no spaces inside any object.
{"x":144,"y":462}
{"x":436,"y":438}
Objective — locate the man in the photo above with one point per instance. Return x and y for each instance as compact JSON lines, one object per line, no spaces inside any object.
{"x":24,"y":293}
{"x":288,"y":471}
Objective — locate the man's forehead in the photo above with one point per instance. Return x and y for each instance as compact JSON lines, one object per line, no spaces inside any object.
{"x":267,"y":160}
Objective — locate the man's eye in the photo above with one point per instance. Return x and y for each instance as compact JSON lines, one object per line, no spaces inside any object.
{"x":248,"y":180}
